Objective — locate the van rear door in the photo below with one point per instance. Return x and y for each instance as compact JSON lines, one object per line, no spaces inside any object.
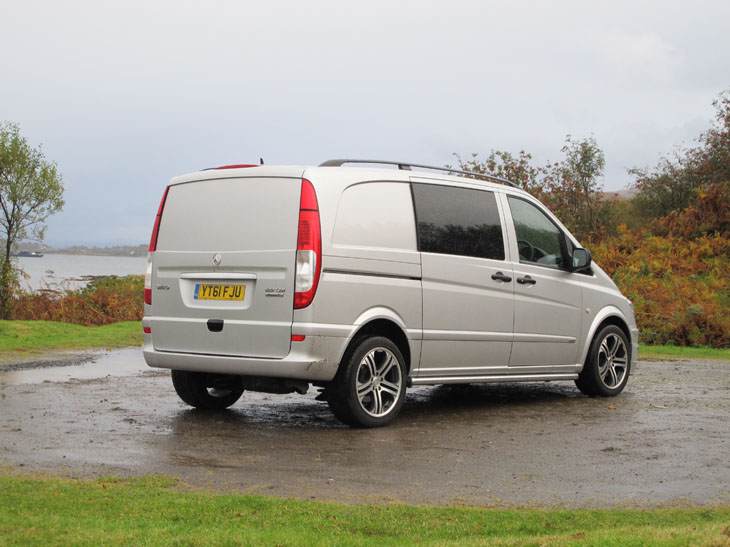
{"x":223,"y":269}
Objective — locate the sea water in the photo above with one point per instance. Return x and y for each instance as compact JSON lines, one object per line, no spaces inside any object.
{"x":71,"y":271}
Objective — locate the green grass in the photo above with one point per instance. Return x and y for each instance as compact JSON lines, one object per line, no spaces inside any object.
{"x":32,"y":337}
{"x":681,"y":352}
{"x":149,"y":511}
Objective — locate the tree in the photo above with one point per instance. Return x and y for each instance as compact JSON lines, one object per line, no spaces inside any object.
{"x":665,"y":188}
{"x":31,"y":190}
{"x":709,"y":214}
{"x":676,"y":182}
{"x":517,"y":169}
{"x":713,"y":157}
{"x":570,"y":188}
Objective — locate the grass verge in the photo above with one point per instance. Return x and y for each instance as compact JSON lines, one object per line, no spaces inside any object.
{"x":149,"y":511}
{"x":28,"y":337}
{"x":32,"y":337}
{"x":681,"y":352}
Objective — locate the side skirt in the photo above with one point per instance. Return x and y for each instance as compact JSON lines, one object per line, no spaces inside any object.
{"x":433,"y":380}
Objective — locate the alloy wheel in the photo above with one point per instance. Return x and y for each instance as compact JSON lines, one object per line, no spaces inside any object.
{"x":379,"y":382}
{"x":612,"y":361}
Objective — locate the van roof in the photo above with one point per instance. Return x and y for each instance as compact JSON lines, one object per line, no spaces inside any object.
{"x":408,"y":166}
{"x":404,"y":171}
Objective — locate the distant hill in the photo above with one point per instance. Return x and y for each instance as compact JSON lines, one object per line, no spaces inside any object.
{"x":620,"y":195}
{"x":117,"y":250}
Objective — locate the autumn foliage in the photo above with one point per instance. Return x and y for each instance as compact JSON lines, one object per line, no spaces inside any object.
{"x":709,"y":214}
{"x":673,"y":259}
{"x":677,"y":268}
{"x":103,"y":301}
{"x":680,"y":286}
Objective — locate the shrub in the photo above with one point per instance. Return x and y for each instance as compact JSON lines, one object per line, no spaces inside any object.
{"x":104,"y":300}
{"x":680,"y":287}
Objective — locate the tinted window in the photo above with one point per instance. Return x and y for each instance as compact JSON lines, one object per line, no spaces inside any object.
{"x":458,"y":221}
{"x":538,"y":239}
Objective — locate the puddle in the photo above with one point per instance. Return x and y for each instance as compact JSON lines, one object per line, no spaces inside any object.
{"x":125,"y":362}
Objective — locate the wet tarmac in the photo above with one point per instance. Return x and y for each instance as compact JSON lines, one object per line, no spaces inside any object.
{"x":664,"y":441}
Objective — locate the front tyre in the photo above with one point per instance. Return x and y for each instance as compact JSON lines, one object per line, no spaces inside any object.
{"x":207,"y":391}
{"x":370,"y":385}
{"x":606,"y":369}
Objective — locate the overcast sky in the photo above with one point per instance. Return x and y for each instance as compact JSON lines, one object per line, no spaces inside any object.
{"x":126,"y":95}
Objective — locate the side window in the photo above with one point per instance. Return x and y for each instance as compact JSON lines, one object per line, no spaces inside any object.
{"x":538,"y":240}
{"x":458,"y":221}
{"x":376,"y":214}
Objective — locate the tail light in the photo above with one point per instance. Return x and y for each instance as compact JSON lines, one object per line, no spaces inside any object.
{"x":153,"y":247}
{"x":309,"y":248}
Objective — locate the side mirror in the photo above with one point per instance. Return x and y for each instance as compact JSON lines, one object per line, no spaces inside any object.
{"x":581,"y":259}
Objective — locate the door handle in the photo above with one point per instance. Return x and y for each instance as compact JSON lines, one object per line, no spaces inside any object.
{"x":527,"y":280}
{"x":499,"y":276}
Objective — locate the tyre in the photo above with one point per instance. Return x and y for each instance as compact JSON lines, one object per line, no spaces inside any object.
{"x":370,"y":385}
{"x":207,"y":391}
{"x":606,"y":369}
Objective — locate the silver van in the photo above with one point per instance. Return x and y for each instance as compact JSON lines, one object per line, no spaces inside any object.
{"x":363,"y":281}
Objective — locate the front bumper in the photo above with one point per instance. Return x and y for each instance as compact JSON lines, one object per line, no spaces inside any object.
{"x":634,"y":346}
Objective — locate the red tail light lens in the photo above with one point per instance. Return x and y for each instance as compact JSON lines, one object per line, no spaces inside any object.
{"x":148,"y":280}
{"x":152,"y":248}
{"x":156,"y":228}
{"x":309,"y":248}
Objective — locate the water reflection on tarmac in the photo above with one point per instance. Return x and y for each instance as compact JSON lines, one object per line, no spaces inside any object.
{"x":661,"y":442}
{"x":96,"y":364}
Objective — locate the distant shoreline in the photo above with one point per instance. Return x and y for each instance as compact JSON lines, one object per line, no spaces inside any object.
{"x":134,"y":251}
{"x":91,"y":253}
{"x":99,"y":252}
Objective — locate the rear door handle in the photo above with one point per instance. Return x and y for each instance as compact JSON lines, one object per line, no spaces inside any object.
{"x":499,"y":276}
{"x":527,"y":280}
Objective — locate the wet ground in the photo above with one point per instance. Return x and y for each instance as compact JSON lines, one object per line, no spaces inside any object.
{"x":665,"y":440}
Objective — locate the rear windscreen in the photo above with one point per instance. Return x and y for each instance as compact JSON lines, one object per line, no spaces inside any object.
{"x":241,"y":214}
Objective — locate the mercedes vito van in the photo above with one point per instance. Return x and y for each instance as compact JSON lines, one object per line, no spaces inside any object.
{"x":363,"y":281}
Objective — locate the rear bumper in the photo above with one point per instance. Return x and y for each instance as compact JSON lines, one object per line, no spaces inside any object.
{"x":309,"y":360}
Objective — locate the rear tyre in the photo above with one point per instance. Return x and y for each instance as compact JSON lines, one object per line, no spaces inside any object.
{"x":370,"y":385}
{"x":606,"y":369}
{"x":207,"y":391}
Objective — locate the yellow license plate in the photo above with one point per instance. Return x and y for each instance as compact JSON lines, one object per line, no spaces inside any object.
{"x":206,"y":291}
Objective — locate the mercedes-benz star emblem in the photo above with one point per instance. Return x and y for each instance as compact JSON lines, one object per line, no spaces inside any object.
{"x":217,"y":259}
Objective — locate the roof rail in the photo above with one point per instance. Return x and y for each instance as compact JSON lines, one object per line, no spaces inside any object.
{"x":406,"y":166}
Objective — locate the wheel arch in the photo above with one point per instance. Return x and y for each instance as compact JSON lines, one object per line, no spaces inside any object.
{"x":607,"y":316}
{"x":387,"y":328}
